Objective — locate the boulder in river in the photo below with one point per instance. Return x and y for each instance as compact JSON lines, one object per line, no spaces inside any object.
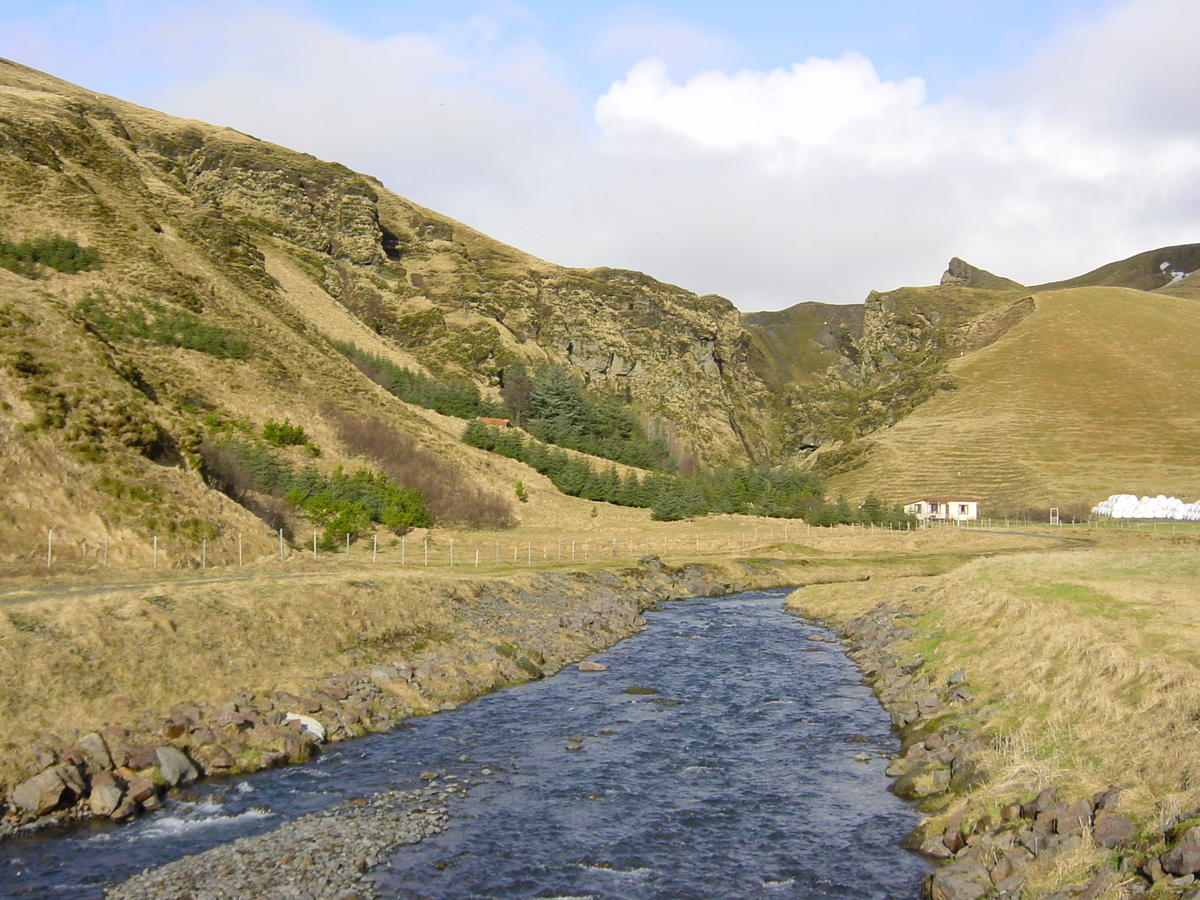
{"x":588,"y":666}
{"x":106,"y":794}
{"x":176,"y":768}
{"x":39,"y":794}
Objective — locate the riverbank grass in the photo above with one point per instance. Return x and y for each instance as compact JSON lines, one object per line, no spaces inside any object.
{"x":1085,"y":670}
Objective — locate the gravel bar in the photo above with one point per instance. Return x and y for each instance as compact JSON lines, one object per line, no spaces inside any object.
{"x":321,"y":856}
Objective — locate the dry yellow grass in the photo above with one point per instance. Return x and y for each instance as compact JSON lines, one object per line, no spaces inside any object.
{"x":1085,"y":666}
{"x":1091,"y":394}
{"x":75,"y":654}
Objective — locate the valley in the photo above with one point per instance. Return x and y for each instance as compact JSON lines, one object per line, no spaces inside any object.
{"x":278,"y":444}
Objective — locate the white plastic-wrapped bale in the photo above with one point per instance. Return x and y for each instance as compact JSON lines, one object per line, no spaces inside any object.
{"x":1130,"y":506}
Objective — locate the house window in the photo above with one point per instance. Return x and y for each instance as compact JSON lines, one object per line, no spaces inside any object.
{"x":963,"y":509}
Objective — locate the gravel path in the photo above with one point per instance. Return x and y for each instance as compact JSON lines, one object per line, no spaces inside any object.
{"x":321,"y":856}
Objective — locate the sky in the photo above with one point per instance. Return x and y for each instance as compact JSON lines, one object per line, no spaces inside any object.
{"x":772,"y":153}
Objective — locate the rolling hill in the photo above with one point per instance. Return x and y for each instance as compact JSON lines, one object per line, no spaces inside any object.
{"x":1092,"y":392}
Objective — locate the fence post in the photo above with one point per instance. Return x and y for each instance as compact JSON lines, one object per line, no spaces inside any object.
{"x":49,"y":546}
{"x":239,"y":548}
{"x":203,"y":553}
{"x":452,"y":553}
{"x":374,"y":547}
{"x":426,"y":551}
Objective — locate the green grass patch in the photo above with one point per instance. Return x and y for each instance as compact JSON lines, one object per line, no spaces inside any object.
{"x":154,"y":322}
{"x":58,"y":253}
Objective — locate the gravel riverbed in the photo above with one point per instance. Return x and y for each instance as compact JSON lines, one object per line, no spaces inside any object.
{"x":321,"y":856}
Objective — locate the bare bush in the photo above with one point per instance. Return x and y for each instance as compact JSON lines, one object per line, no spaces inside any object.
{"x":228,"y":473}
{"x":449,"y":497}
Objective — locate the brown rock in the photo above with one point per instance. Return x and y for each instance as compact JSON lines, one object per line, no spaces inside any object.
{"x":935,"y":848}
{"x":140,"y":789}
{"x":588,"y":666}
{"x":1011,"y":864}
{"x":1182,"y":859}
{"x":140,"y":756}
{"x":961,"y":880}
{"x":126,"y":809}
{"x":1073,"y":818}
{"x":214,"y":756}
{"x":39,"y":794}
{"x":106,"y":794}
{"x":95,"y":751}
{"x":72,"y":779}
{"x":1112,"y":830}
{"x":202,"y":735}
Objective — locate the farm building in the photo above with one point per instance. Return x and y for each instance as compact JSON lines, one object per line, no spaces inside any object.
{"x":944,"y":509}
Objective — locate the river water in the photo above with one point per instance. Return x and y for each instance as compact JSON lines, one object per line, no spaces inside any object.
{"x":741,"y":777}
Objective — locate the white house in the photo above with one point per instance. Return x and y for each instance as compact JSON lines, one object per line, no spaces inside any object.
{"x":944,"y":509}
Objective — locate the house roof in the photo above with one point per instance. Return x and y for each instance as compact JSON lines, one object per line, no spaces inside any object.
{"x":945,"y":500}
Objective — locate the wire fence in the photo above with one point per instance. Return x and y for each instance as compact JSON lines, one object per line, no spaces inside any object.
{"x":68,"y":548}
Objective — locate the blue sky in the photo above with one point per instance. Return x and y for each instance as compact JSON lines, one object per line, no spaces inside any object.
{"x":770,"y":152}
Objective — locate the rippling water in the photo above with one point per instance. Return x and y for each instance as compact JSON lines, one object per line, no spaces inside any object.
{"x":736,"y":780}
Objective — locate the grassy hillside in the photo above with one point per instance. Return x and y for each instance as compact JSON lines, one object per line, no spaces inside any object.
{"x":1092,"y":393}
{"x":167,"y":284}
{"x":795,"y":346}
{"x":1148,"y":271}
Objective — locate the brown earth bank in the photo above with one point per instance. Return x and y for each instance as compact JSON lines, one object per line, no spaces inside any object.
{"x":1049,"y":742}
{"x":145,"y":694}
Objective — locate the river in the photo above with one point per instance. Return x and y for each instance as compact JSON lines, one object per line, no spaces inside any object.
{"x":743,"y":776}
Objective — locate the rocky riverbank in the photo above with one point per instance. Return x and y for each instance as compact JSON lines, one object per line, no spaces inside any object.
{"x":1024,"y":846}
{"x":503,"y":632}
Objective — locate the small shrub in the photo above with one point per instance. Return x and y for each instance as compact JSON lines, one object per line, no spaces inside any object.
{"x":58,"y":253}
{"x":283,"y":434}
{"x":154,"y":322}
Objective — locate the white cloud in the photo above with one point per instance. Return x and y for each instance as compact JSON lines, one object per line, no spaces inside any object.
{"x":818,"y":181}
{"x":828,"y":153}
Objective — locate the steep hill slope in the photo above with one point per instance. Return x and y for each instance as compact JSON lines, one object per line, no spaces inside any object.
{"x":224,"y":264}
{"x":1092,"y":391}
